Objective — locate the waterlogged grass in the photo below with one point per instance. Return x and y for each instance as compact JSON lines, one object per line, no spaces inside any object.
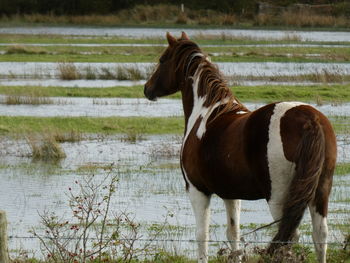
{"x":268,"y":93}
{"x":110,"y":125}
{"x":314,"y":93}
{"x":22,"y":53}
{"x":342,"y":169}
{"x":202,"y":39}
{"x":113,"y":125}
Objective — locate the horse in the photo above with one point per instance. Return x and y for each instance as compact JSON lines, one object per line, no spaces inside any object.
{"x":284,"y":152}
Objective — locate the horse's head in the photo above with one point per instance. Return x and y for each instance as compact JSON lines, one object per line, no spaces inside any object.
{"x":168,"y":75}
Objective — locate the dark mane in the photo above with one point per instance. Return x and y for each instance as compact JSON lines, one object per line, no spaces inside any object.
{"x":189,"y":57}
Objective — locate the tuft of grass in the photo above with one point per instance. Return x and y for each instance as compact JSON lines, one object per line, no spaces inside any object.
{"x":68,"y":71}
{"x":45,"y":148}
{"x":69,"y":136}
{"x":18,"y":49}
{"x":132,"y":136}
{"x":164,"y":150}
{"x":32,"y":100}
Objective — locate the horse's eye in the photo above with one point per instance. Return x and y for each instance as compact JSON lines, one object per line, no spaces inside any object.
{"x":161,"y":60}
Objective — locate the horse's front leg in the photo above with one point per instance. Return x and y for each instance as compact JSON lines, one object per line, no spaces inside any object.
{"x":200,"y":204}
{"x":233,"y":209}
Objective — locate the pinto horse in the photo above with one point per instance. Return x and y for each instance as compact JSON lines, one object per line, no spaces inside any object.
{"x":284,"y":152}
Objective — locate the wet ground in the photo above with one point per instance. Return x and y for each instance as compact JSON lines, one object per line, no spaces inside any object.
{"x":151,"y":184}
{"x":124,"y":107}
{"x":319,"y":36}
{"x":50,"y":70}
{"x":150,"y":187}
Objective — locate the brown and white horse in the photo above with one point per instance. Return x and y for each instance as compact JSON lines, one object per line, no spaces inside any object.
{"x":284,"y":152}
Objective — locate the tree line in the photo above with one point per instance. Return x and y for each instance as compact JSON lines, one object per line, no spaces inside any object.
{"x":86,"y":7}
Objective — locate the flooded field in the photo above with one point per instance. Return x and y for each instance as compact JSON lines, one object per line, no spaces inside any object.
{"x":49,"y":70}
{"x":151,"y":186}
{"x":35,"y":187}
{"x":320,"y":36}
{"x":124,"y":107}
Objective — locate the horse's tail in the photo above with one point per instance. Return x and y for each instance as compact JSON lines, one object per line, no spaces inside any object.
{"x":309,"y":159}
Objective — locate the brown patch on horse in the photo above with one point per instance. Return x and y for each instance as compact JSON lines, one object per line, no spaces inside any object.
{"x":309,"y":157}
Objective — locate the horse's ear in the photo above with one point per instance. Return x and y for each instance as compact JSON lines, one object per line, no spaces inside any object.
{"x":184,"y":36}
{"x":171,"y":40}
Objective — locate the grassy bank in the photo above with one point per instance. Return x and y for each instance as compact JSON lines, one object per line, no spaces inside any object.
{"x":268,"y":93}
{"x":113,"y":125}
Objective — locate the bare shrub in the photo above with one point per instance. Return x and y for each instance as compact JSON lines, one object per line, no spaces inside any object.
{"x":68,"y":71}
{"x":92,"y":232}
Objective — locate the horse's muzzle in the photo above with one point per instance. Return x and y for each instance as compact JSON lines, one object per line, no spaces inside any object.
{"x":149,"y":94}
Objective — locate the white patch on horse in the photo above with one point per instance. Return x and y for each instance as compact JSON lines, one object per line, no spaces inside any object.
{"x":319,"y":233}
{"x":241,"y":112}
{"x":200,"y":204}
{"x":281,"y":170}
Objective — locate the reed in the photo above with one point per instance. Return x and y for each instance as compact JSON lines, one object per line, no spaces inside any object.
{"x":29,"y":100}
{"x":68,"y":71}
{"x":45,"y":148}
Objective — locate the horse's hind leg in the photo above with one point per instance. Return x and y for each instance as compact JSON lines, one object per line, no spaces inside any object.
{"x":319,"y":233}
{"x":233,"y":209}
{"x":200,"y":204}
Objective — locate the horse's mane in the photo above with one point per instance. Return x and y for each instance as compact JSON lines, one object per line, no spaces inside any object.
{"x":188,"y":58}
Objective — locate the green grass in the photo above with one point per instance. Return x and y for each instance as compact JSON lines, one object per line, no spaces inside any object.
{"x":111,"y":125}
{"x":22,"y":53}
{"x":268,"y":93}
{"x":342,"y":169}
{"x":125,"y":58}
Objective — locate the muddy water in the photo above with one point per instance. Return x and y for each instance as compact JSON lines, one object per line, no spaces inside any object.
{"x":320,"y":36}
{"x":145,"y":189}
{"x":35,"y":70}
{"x":124,"y":107}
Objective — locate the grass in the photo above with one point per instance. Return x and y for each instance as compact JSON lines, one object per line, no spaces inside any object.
{"x":31,"y":100}
{"x":110,"y":125}
{"x":45,"y":148}
{"x":113,"y":125}
{"x":202,"y":39}
{"x":68,"y":71}
{"x":267,"y":93}
{"x":151,"y":53}
{"x":342,"y":169}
